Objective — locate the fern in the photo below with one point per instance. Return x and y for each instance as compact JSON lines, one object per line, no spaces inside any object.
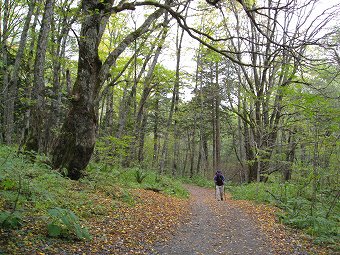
{"x":64,"y":223}
{"x":140,"y":175}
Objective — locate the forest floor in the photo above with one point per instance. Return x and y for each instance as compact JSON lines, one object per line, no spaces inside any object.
{"x":159,"y":224}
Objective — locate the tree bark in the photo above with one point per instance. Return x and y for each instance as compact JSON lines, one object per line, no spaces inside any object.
{"x":142,"y":137}
{"x":168,"y":127}
{"x":290,"y":156}
{"x":193,"y":150}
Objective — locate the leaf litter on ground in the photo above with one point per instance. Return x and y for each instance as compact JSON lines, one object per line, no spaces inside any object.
{"x":120,"y":228}
{"x":133,"y":227}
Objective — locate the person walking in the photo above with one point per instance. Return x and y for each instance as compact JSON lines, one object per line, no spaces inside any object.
{"x":219,"y":185}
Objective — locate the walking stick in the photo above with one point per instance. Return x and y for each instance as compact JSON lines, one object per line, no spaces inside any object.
{"x":224,"y":191}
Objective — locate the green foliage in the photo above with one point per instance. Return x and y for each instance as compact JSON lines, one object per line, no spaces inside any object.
{"x":10,"y":220}
{"x":109,"y":147}
{"x":63,"y":223}
{"x":318,"y":216}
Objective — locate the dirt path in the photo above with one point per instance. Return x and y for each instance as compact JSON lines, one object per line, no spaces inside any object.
{"x":215,"y":227}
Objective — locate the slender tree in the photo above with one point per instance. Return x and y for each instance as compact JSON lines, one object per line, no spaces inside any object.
{"x":6,"y":116}
{"x":35,"y":140}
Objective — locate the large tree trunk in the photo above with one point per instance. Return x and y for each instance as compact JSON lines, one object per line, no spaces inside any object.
{"x":75,"y":145}
{"x":74,"y":149}
{"x":251,"y":174}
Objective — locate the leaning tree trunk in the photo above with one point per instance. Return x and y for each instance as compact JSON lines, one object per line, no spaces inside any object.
{"x":127,"y":101}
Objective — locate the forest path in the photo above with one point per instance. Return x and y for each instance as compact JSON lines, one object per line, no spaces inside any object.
{"x":216,"y":227}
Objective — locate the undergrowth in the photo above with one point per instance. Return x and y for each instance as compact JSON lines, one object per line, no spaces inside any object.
{"x":30,"y":189}
{"x":317,"y":214}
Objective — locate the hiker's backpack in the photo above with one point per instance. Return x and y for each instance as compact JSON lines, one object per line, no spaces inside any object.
{"x":219,"y":180}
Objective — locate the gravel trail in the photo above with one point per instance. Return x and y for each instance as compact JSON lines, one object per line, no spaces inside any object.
{"x":215,"y":227}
